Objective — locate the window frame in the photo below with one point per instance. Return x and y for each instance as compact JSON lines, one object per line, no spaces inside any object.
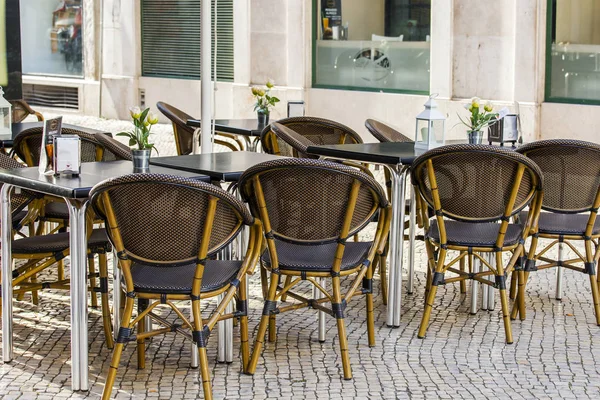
{"x":548,"y":98}
{"x":190,"y":77}
{"x":316,"y":85}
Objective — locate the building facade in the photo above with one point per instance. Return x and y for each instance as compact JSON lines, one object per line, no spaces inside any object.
{"x":349,"y":60}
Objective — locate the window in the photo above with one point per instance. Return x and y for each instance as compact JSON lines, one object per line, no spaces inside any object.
{"x":573,"y":51}
{"x":372,"y":45}
{"x":171,"y":39}
{"x":51,"y":37}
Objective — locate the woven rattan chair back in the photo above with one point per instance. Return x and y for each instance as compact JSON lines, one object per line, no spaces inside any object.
{"x":476,"y":183}
{"x":160,"y":219}
{"x":306,"y":200}
{"x":571,"y":171}
{"x":113,"y":149}
{"x":318,"y":131}
{"x":21,"y":110}
{"x":385,"y":133}
{"x":19,"y":200}
{"x":27,"y":145}
{"x":184,"y":135}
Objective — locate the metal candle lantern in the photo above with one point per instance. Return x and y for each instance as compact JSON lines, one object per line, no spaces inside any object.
{"x":430,"y":127}
{"x":5,"y":115}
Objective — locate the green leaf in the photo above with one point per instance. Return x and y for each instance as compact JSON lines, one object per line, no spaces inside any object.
{"x":132,"y":142}
{"x":275,"y":99}
{"x":143,"y":116}
{"x":124,"y":134}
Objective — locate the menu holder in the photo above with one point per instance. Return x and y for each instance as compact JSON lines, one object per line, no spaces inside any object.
{"x":52,"y":128}
{"x":67,"y":155}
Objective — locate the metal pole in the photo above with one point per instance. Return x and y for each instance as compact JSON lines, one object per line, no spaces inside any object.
{"x":206,"y":92}
{"x":7,"y":289}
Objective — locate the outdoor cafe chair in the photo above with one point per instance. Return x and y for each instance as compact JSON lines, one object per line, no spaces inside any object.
{"x":42,"y":251}
{"x":166,"y":231}
{"x":471,"y":188}
{"x":286,"y":137}
{"x":317,"y":131}
{"x":184,"y":135}
{"x":385,"y":133}
{"x":571,"y":171}
{"x":21,"y":110}
{"x":94,"y":148}
{"x":309,"y":209}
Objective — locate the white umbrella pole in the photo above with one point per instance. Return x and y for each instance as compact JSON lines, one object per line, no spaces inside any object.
{"x":206,"y":92}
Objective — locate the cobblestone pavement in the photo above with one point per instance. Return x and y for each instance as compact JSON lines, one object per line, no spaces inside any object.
{"x":555,"y":353}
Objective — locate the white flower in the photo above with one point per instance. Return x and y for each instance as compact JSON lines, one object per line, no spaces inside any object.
{"x":135,"y":112}
{"x":152,"y":118}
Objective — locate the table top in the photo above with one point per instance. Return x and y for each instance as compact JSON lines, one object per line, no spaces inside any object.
{"x":226,"y":166}
{"x":7,"y":140}
{"x":391,"y":153}
{"x":243,"y":127}
{"x":78,"y":187}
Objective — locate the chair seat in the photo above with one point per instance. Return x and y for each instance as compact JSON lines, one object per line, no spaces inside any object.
{"x":53,"y":243}
{"x":563,"y":224}
{"x":56,"y":210}
{"x":475,"y":234}
{"x":317,"y":258}
{"x":178,"y":280}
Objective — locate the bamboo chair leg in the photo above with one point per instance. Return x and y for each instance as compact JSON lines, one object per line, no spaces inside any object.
{"x":343,"y":339}
{"x":245,"y":348}
{"x":116,"y":357}
{"x":432,"y":291}
{"x":92,"y":272}
{"x":504,"y":300}
{"x":514,"y":280}
{"x":383,"y":275}
{"x":370,"y":314}
{"x":141,"y":343}
{"x":262,"y":327}
{"x":589,"y":254}
{"x":264,"y":282}
{"x":205,"y":373}
{"x":61,"y":263}
{"x":288,"y":280}
{"x":463,"y":284}
{"x":519,"y":305}
{"x":273,"y":322}
{"x":106,"y":320}
{"x":35,"y":298}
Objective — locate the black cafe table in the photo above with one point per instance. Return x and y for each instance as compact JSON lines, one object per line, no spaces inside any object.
{"x":396,"y":158}
{"x":75,"y":192}
{"x":227,"y":166}
{"x":6,"y":141}
{"x":248,"y":129}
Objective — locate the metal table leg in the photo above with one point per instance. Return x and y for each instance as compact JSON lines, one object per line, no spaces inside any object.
{"x":195,"y":357}
{"x":485,"y":289}
{"x":396,"y":245}
{"x":79,"y":311}
{"x":559,"y":273}
{"x":491,"y":291}
{"x":411,"y":241}
{"x":225,"y":328}
{"x":7,"y":262}
{"x":475,"y":287}
{"x":321,"y":315}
